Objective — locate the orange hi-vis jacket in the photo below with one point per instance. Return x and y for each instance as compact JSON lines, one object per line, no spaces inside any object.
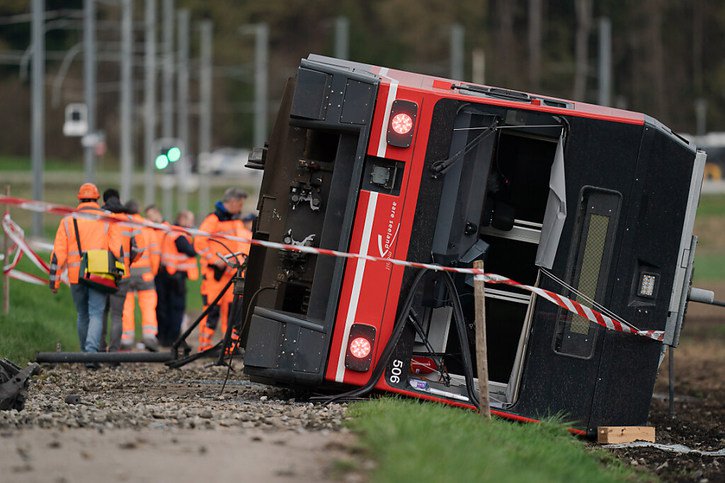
{"x":207,"y":250}
{"x":146,"y":246}
{"x":94,"y":234}
{"x":175,"y":261}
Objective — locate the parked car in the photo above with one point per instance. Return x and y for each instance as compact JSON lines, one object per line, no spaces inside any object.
{"x":226,"y":161}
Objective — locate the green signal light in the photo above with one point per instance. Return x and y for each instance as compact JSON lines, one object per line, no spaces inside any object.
{"x":174,"y":154}
{"x":161,"y":161}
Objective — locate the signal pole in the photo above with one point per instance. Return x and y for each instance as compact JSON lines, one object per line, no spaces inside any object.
{"x":37,"y":146}
{"x":167,"y":119}
{"x":126,"y":100}
{"x":167,"y":92}
{"x":89,"y":84}
{"x":150,"y":102}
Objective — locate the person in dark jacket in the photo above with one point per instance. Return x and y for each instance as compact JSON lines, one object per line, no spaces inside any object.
{"x":114,"y":304}
{"x":178,"y":263}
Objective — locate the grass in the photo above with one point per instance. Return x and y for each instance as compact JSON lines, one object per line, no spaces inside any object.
{"x":37,"y":321}
{"x":709,"y":267}
{"x":19,"y":163}
{"x":711,"y":205}
{"x":413,"y":441}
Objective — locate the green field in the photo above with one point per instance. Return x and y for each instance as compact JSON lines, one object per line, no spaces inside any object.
{"x":38,"y":320}
{"x":413,"y":441}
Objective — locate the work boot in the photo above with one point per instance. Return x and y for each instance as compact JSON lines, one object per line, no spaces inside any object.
{"x":151,"y":344}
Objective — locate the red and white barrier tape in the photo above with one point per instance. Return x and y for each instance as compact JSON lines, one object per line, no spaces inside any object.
{"x":20,"y":248}
{"x":573,"y":306}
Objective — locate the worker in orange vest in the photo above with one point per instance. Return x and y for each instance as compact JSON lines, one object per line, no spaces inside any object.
{"x":225,"y":220}
{"x":141,"y":283}
{"x":178,"y":263}
{"x":90,"y":234}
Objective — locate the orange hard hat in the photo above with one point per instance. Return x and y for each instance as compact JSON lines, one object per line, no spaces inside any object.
{"x":88,"y":191}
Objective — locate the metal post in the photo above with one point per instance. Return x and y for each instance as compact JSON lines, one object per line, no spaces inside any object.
{"x":167,"y":92}
{"x":342,"y":37}
{"x":167,"y":118}
{"x":126,"y":100}
{"x":478,"y":66}
{"x":6,"y":246}
{"x":700,"y":116}
{"x":457,"y":34}
{"x":535,"y":15}
{"x":605,"y":61}
{"x":89,"y":84}
{"x":481,"y":349}
{"x":149,"y":194}
{"x":183,"y":107}
{"x":261,"y":62}
{"x":205,"y":112}
{"x":167,"y":198}
{"x":37,"y":147}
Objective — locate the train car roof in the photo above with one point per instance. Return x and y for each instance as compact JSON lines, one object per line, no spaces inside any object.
{"x":489,"y":94}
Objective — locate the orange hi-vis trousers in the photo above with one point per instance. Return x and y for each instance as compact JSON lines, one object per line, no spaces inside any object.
{"x":147,"y":300}
{"x":206,"y":329}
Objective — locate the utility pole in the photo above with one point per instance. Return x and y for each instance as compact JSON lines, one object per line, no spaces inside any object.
{"x":261,"y":62}
{"x":457,"y":34}
{"x":167,"y":92}
{"x":478,"y":66}
{"x":183,"y":106}
{"x":605,"y":61}
{"x":342,"y":37}
{"x":583,"y":10}
{"x":205,"y":111}
{"x":126,"y":99}
{"x":535,"y":18}
{"x":89,"y":85}
{"x":37,"y":147}
{"x":149,"y":193}
{"x":700,"y":116}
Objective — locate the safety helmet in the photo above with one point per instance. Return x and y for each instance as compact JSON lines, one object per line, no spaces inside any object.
{"x":88,"y":191}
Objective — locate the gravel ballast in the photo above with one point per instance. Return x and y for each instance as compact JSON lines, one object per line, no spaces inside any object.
{"x":152,"y":396}
{"x":145,"y":422}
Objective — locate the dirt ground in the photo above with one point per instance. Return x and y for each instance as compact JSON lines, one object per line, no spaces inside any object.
{"x":155,"y":456}
{"x":699,"y":421}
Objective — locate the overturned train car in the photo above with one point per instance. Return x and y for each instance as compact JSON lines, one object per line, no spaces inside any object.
{"x":593,"y":203}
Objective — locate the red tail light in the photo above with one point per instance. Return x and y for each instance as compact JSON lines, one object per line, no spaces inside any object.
{"x":360,"y":347}
{"x":402,"y":123}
